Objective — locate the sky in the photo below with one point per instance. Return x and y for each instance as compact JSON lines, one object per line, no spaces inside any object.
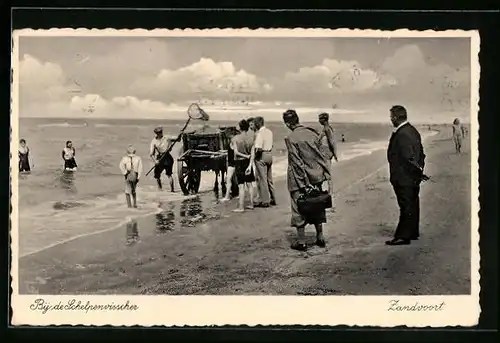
{"x":134,"y":77}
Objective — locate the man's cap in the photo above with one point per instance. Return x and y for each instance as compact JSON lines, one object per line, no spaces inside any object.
{"x":290,"y":116}
{"x":159,"y":129}
{"x":130,"y":149}
{"x":323,"y":115}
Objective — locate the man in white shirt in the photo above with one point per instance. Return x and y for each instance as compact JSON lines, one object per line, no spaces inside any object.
{"x":131,"y":163}
{"x":162,"y":159}
{"x":263,"y":161}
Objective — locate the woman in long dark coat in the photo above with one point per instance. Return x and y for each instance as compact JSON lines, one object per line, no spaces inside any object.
{"x":308,"y":167}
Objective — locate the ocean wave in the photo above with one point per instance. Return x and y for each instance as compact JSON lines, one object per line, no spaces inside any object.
{"x":61,"y":125}
{"x":135,"y":126}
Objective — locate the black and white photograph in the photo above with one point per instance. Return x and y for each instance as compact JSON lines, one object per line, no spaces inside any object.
{"x":328,"y":166}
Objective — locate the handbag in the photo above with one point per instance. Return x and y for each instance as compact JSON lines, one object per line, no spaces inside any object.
{"x":132,"y":174}
{"x":310,"y":203}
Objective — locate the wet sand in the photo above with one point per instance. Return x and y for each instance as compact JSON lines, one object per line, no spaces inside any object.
{"x":201,"y":247}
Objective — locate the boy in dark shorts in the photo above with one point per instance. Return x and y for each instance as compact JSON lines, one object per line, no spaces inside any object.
{"x":242,"y":147}
{"x":158,"y":148}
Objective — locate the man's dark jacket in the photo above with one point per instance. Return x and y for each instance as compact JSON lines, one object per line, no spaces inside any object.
{"x":406,"y":156}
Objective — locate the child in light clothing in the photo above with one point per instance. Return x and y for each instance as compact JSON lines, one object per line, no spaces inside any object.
{"x":131,"y":164}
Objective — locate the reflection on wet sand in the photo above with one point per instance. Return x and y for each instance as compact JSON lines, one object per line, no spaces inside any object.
{"x":191,"y":211}
{"x":67,"y":181}
{"x":165,"y":220}
{"x":132,"y":232}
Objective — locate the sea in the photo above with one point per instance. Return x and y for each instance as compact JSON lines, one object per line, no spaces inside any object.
{"x":55,"y":206}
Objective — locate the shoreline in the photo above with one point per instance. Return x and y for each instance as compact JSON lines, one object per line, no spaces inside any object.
{"x":245,"y":257}
{"x":178,"y":198}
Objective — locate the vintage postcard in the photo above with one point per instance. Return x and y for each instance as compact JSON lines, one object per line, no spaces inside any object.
{"x":245,"y":177}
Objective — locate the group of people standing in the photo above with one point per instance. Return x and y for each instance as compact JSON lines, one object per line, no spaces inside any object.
{"x":250,"y":160}
{"x":311,"y":155}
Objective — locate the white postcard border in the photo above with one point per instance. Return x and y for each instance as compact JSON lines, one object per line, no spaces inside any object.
{"x":461,"y":310}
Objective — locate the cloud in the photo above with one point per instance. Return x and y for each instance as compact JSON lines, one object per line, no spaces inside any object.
{"x":112,"y":73}
{"x":41,"y":81}
{"x":336,"y":76}
{"x":417,"y":76}
{"x":138,"y":84}
{"x":219,"y":80}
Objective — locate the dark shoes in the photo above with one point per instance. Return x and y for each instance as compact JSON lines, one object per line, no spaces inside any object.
{"x":265,"y":204}
{"x":398,"y":241}
{"x":299,"y":246}
{"x":321,"y":243}
{"x":303,"y":247}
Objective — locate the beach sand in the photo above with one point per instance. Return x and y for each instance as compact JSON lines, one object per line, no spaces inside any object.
{"x":205,"y":248}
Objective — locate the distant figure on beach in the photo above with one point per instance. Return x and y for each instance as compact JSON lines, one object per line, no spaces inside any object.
{"x":242,"y":146}
{"x":308,"y":168}
{"x":329,"y":147}
{"x":161,"y":157}
{"x":343,"y":138}
{"x":24,"y":157}
{"x":68,"y":155}
{"x":263,"y":161}
{"x":131,"y":168}
{"x":406,"y":158}
{"x":458,"y":135}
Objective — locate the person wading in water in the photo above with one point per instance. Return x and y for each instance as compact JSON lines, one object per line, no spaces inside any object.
{"x":158,"y":148}
{"x":131,"y":168}
{"x":24,"y":157}
{"x":68,"y":155}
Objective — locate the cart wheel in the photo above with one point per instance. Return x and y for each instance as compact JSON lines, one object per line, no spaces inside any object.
{"x":189,"y":179}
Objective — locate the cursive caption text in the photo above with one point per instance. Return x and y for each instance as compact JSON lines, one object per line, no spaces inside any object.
{"x":395,"y":305}
{"x":74,"y":305}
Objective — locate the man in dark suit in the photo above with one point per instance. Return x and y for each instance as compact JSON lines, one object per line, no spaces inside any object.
{"x":406,"y":163}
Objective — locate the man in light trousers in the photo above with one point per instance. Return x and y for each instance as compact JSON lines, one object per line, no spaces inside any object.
{"x":263,"y":161}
